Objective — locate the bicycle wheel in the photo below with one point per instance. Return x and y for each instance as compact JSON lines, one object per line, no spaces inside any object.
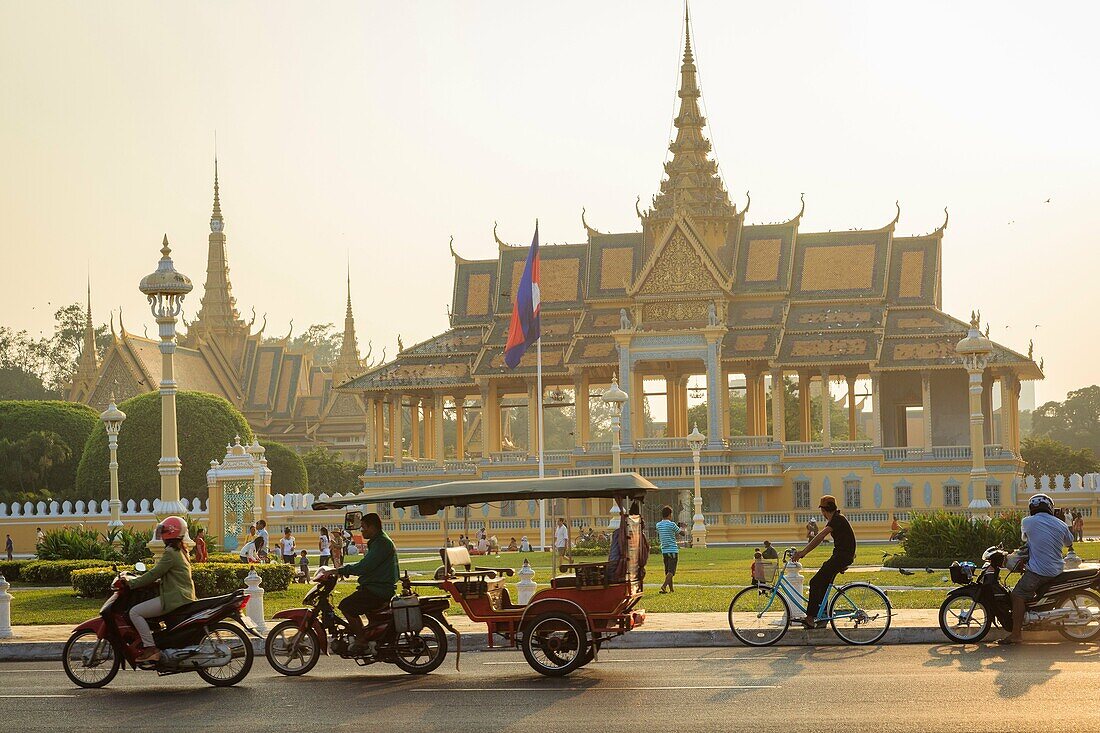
{"x":759,"y":616}
{"x":860,"y":614}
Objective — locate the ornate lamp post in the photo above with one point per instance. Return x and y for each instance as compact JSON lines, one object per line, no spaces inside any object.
{"x":112,"y":419}
{"x":696,"y":440}
{"x":165,"y":288}
{"x":975,"y":350}
{"x":615,"y":399}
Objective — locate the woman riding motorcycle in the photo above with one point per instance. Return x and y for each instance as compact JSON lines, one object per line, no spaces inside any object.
{"x":176,"y":586}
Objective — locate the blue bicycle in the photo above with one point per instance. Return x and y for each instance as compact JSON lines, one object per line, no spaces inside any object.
{"x":859,"y":613}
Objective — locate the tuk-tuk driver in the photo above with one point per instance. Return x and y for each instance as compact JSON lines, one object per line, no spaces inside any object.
{"x":378,"y":575}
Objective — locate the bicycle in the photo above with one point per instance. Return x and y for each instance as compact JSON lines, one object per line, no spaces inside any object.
{"x":859,"y":613}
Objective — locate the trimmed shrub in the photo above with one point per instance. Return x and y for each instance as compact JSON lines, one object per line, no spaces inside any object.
{"x":223,"y":557}
{"x":942,"y":537}
{"x":288,"y":471}
{"x":56,"y":572}
{"x":12,"y":569}
{"x":206,"y":423}
{"x":71,"y":421}
{"x":211,"y":579}
{"x":590,"y":552}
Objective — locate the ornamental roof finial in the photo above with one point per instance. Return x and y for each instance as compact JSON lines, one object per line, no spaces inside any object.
{"x":217,"y":213}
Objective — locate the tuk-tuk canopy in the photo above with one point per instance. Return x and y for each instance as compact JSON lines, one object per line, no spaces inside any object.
{"x":430,"y":499}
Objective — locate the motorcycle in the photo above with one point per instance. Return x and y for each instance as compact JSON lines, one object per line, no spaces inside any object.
{"x":409,"y":633}
{"x":1068,"y":603}
{"x":196,"y":637}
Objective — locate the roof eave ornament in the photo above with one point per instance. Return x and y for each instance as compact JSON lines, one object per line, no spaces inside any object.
{"x":290,"y":331}
{"x":591,"y":232}
{"x":500,"y":244}
{"x":946,"y":218}
{"x":748,"y":203}
{"x":897,"y":217}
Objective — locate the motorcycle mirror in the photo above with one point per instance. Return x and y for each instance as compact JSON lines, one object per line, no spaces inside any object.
{"x":139,"y":567}
{"x":352,"y":520}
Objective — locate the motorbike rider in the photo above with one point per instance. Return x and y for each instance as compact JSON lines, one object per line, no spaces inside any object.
{"x":176,"y":586}
{"x":378,"y":576}
{"x":1045,"y":535}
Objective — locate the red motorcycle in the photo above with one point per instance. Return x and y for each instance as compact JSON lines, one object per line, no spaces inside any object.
{"x":196,"y":637}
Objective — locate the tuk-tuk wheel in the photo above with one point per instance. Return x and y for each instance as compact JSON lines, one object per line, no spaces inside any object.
{"x":555,"y":644}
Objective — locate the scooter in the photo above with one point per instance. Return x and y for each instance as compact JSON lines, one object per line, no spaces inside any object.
{"x":409,"y":633}
{"x":197,"y":637}
{"x":1068,"y":603}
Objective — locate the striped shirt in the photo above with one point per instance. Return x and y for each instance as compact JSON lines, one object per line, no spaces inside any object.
{"x":666,"y":532}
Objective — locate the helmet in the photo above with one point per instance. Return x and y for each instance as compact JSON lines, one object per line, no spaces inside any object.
{"x":1041,"y":503}
{"x":171,"y":528}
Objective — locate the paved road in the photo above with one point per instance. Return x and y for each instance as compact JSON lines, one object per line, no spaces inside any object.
{"x":925,"y":688}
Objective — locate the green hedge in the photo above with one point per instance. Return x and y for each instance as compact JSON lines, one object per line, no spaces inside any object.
{"x":56,"y":572}
{"x":957,"y":537}
{"x":13,"y":569}
{"x":206,"y":423}
{"x":223,"y":557}
{"x":71,"y":421}
{"x":590,"y":552}
{"x":211,"y":579}
{"x":288,"y":471}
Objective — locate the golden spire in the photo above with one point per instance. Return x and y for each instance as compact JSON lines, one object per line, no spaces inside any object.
{"x":347,"y":364}
{"x":87,"y":365}
{"x":217,"y":213}
{"x":692,"y":184}
{"x":218,"y":310}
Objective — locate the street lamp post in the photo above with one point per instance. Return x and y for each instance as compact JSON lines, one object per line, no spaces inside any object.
{"x":615,"y":398}
{"x":696,"y":440}
{"x":165,"y":289}
{"x":112,"y":419}
{"x":975,"y":351}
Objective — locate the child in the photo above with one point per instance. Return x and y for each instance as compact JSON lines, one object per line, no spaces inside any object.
{"x":758,"y":577}
{"x":303,"y":568}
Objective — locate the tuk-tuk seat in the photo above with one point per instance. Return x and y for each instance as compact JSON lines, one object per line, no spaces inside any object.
{"x":470,"y":583}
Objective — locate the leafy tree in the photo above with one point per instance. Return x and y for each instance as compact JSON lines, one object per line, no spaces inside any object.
{"x":29,"y":460}
{"x":205,"y":423}
{"x":52,"y":359}
{"x":738,"y":421}
{"x":324,"y":339}
{"x":1051,"y":457}
{"x":288,"y":472}
{"x":1075,"y":421}
{"x":71,"y":422}
{"x":16,"y":383}
{"x":329,"y":473}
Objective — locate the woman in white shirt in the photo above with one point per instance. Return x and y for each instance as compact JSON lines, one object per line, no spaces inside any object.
{"x":324,"y":544}
{"x":250,"y":551}
{"x":287,"y":546}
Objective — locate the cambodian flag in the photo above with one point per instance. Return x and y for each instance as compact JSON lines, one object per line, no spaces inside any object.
{"x":524,"y":328}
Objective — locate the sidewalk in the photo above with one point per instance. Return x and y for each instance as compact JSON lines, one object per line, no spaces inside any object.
{"x":661,"y":630}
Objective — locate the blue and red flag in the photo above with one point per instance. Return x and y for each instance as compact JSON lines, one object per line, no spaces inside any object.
{"x":524,"y":328}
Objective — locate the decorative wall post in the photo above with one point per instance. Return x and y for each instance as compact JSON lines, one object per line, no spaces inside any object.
{"x":112,"y":419}
{"x":165,"y":289}
{"x":255,"y":607}
{"x":975,"y":351}
{"x":5,"y":609}
{"x":698,"y":522}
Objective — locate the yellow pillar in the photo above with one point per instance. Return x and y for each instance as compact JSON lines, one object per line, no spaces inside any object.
{"x":672,"y":407}
{"x":380,"y":428}
{"x":779,"y":407}
{"x":460,"y":428}
{"x":368,"y":433}
{"x":805,"y":424}
{"x":437,"y":428}
{"x":532,"y":419}
{"x":397,"y":419}
{"x":582,"y":428}
{"x":762,"y":403}
{"x":750,"y":405}
{"x":826,"y":410}
{"x":637,"y":409}
{"x":851,"y":406}
{"x":926,"y":408}
{"x":414,"y":427}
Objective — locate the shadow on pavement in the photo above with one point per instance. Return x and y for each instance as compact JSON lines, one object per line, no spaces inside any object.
{"x":1018,"y":669}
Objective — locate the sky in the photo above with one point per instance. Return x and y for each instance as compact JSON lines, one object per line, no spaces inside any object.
{"x":374,"y":131}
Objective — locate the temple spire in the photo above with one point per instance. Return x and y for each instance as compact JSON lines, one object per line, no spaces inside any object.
{"x":347,"y":363}
{"x":216,"y":215}
{"x":218,"y":313}
{"x":87,"y":365}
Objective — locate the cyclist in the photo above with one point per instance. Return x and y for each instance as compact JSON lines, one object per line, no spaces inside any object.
{"x":844,"y":553}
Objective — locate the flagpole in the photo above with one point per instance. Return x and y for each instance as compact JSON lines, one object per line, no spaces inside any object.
{"x":542,"y":463}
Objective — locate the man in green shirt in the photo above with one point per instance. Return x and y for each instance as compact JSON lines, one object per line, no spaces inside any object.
{"x":378,"y":576}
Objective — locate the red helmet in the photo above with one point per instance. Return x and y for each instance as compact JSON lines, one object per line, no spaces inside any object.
{"x":171,"y":528}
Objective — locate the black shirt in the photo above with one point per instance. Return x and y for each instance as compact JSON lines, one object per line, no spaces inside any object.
{"x":770,"y":553}
{"x":844,"y":539}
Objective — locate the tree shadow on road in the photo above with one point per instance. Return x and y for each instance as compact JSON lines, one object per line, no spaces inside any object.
{"x":1018,"y":669}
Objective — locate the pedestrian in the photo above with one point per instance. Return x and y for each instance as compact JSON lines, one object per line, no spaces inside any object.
{"x":200,"y":545}
{"x":286,"y":544}
{"x":670,"y":550}
{"x":39,"y":535}
{"x":253,"y":551}
{"x":561,"y":539}
{"x":524,"y":544}
{"x":1079,"y":527}
{"x":769,"y":552}
{"x":758,"y":576}
{"x":9,"y":547}
{"x":261,"y":531}
{"x":337,"y":547}
{"x":303,"y":567}
{"x":324,"y":545}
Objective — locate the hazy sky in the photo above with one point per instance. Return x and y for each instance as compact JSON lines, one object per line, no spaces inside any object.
{"x":380,"y":129}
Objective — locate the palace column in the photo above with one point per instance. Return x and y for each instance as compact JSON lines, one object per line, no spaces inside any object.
{"x":926,"y":408}
{"x":987,"y":408}
{"x":437,"y":428}
{"x":486,"y":423}
{"x":826,"y":411}
{"x":368,"y":433}
{"x":397,"y":429}
{"x":851,"y":380}
{"x":1010,"y":407}
{"x":460,"y":427}
{"x":682,"y":403}
{"x":582,"y":418}
{"x":750,"y":405}
{"x":975,"y":350}
{"x":715,"y":438}
{"x":380,"y":428}
{"x":414,"y":427}
{"x":626,"y":434}
{"x":533,"y":398}
{"x":672,"y":407}
{"x":805,"y":423}
{"x":762,"y":402}
{"x":779,"y":407}
{"x":876,"y":409}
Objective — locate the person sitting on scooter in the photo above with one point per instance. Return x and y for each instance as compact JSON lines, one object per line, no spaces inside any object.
{"x":176,"y":586}
{"x":378,"y":576}
{"x":1045,"y":535}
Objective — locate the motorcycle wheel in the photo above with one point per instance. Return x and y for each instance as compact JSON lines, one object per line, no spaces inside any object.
{"x":281,"y":639}
{"x":91,"y":677}
{"x":1082,"y":599}
{"x":241,"y":646}
{"x":421,"y":652}
{"x":972,"y":613}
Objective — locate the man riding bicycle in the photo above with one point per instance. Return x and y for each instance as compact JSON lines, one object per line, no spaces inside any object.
{"x":378,"y":576}
{"x":844,"y":553}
